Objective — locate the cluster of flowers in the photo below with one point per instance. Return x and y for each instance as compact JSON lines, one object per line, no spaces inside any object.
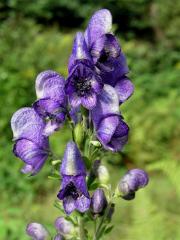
{"x":97,"y":81}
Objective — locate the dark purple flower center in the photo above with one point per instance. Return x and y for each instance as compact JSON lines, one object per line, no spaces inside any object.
{"x":82,"y":85}
{"x":72,"y":191}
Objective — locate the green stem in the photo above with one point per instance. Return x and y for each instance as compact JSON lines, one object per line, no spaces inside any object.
{"x":99,"y":228}
{"x":81,"y":229}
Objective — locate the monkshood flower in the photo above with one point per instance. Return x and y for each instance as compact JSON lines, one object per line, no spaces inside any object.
{"x":64,"y":227}
{"x":132,"y":181}
{"x":83,"y":83}
{"x":107,"y":54}
{"x":111,"y":130}
{"x":73,"y":193}
{"x":37,"y":231}
{"x":98,"y":201}
{"x":30,"y":145}
{"x":51,"y":103}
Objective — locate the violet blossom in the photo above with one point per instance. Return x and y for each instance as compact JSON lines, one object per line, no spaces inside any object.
{"x":73,"y":193}
{"x":83,"y":83}
{"x":37,"y":231}
{"x":30,"y":144}
{"x":133,"y":180}
{"x":111,"y":130}
{"x":107,"y":54}
{"x":51,"y":103}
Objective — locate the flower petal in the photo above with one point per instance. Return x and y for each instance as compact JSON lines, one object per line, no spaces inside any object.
{"x":31,"y":154}
{"x":79,"y":52}
{"x":26,"y":123}
{"x":37,"y":231}
{"x":96,"y":84}
{"x":119,"y":138}
{"x":99,"y":24}
{"x":111,"y":46}
{"x":82,"y":203}
{"x":107,"y":128}
{"x":97,"y":48}
{"x":124,"y":88}
{"x":80,"y":183}
{"x":50,"y":84}
{"x":69,"y":205}
{"x":74,"y":100}
{"x":72,"y":163}
{"x":89,"y":101}
{"x":107,"y":104}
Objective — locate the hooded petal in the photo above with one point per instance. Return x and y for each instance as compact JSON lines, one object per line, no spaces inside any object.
{"x":31,"y":154}
{"x":99,"y":24}
{"x":82,"y":203}
{"x":113,"y":68}
{"x":79,"y":52}
{"x":26,"y":123}
{"x":107,"y":104}
{"x":72,"y":163}
{"x":97,"y":48}
{"x":69,"y":205}
{"x":120,"y":137}
{"x":124,"y":88}
{"x":107,"y":128}
{"x":89,"y":101}
{"x":37,"y":231}
{"x":50,"y":108}
{"x":111,"y":46}
{"x":50,"y":84}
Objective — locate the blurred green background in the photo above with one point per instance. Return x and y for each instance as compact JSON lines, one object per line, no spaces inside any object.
{"x":38,"y":35}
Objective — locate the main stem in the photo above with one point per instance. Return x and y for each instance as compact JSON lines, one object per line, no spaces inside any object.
{"x":81,"y":229}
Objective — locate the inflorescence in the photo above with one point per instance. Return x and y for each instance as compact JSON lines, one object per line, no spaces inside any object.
{"x":89,"y":100}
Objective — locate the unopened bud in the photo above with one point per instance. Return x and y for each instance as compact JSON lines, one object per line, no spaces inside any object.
{"x":103,"y":174}
{"x":96,"y":143}
{"x":98,"y":202}
{"x":37,"y":231}
{"x":131,"y":182}
{"x":58,"y":237}
{"x":64,"y":226}
{"x":79,"y":134}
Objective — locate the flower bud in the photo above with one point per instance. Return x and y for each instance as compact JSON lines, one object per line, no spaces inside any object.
{"x":37,"y":231}
{"x":103,"y":174}
{"x":131,"y":182}
{"x":63,"y":226}
{"x":98,"y":201}
{"x":58,"y":237}
{"x":96,"y":143}
{"x":78,"y":134}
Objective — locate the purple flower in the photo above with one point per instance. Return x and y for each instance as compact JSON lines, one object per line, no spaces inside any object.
{"x":30,"y":145}
{"x":98,"y":201}
{"x":37,"y":231}
{"x":63,"y":226}
{"x":111,"y":130}
{"x":51,"y":103}
{"x":58,"y":237}
{"x":73,"y":191}
{"x":131,"y":182}
{"x":83,"y":83}
{"x":107,"y":54}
